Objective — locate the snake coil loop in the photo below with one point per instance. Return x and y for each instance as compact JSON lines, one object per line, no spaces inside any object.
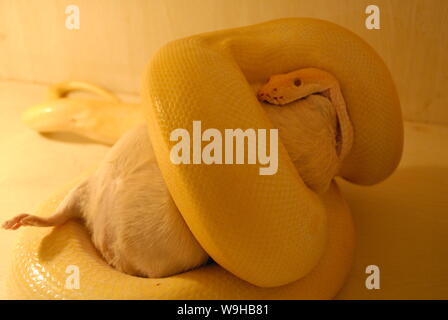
{"x":271,"y":236}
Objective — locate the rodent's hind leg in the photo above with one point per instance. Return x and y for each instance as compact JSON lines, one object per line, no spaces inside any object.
{"x":69,"y":208}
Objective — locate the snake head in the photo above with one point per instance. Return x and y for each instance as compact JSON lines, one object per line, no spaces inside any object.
{"x":285,"y":88}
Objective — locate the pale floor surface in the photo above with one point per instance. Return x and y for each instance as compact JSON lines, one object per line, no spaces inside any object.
{"x":401,"y":224}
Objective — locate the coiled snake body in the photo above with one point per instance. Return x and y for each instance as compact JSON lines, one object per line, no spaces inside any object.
{"x":291,"y":233}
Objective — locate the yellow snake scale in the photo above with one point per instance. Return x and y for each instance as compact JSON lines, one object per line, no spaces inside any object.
{"x":301,"y":244}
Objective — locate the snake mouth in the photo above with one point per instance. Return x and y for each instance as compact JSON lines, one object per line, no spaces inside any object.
{"x":338,"y":132}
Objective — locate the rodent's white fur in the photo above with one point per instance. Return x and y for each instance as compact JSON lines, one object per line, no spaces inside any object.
{"x":129,"y":211}
{"x":134,"y":221}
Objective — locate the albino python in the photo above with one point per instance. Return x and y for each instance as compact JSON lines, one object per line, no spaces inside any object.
{"x":149,"y":217}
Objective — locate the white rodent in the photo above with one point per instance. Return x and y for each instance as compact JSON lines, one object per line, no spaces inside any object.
{"x":129,"y":211}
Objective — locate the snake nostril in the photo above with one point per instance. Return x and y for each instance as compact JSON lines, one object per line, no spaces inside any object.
{"x":297,"y":82}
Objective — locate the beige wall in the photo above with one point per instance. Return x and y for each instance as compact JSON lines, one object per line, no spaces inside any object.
{"x":117,"y":37}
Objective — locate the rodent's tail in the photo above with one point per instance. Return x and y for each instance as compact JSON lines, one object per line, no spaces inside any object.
{"x":70,"y":207}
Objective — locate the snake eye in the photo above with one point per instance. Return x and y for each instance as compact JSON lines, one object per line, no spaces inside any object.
{"x":297,"y":82}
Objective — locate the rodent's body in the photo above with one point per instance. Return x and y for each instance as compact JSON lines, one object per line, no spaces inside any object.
{"x":308,"y":130}
{"x":135,"y":223}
